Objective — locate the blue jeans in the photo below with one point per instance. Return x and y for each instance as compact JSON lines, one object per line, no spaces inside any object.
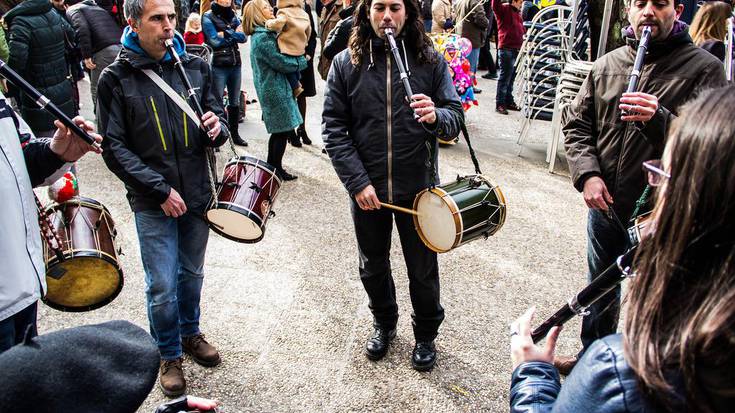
{"x":427,"y":26}
{"x":606,"y":241}
{"x":230,"y":77}
{"x":506,"y":77}
{"x":474,"y":57}
{"x":172,"y":251}
{"x":13,"y":328}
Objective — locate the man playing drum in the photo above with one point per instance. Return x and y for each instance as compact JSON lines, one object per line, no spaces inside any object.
{"x":159,"y":153}
{"x":609,"y":134}
{"x":379,"y":150}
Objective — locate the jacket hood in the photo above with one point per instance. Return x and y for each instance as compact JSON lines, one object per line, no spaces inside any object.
{"x":282,"y":4}
{"x":28,"y":8}
{"x":678,"y":37}
{"x":135,"y":55}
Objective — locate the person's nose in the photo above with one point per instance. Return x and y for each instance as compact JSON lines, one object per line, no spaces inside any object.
{"x":169,"y":24}
{"x":648,"y":9}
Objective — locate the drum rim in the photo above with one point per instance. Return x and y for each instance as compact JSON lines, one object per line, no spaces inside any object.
{"x":92,"y":307}
{"x":455,"y":213}
{"x":258,"y":163}
{"x":81,"y":201}
{"x":242,"y":211}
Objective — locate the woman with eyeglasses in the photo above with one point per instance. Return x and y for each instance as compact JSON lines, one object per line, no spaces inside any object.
{"x":677,"y":349}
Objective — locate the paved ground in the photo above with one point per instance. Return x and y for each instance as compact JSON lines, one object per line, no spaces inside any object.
{"x":289,"y":314}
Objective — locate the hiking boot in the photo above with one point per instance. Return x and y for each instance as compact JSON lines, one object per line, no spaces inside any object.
{"x":171,"y":377}
{"x":202,"y":352}
{"x":377,"y":345}
{"x":423,"y":356}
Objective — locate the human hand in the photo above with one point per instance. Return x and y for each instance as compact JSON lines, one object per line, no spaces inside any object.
{"x":424,"y":107}
{"x":68,"y":146}
{"x":174,"y":206}
{"x":638,"y":107}
{"x":201,"y":403}
{"x":595,"y":194}
{"x":89,"y":63}
{"x":211,"y":123}
{"x":367,"y":199}
{"x":522,"y":348}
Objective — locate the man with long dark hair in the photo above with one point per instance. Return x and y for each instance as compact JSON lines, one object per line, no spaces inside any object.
{"x":380,"y":152}
{"x":610,"y":132}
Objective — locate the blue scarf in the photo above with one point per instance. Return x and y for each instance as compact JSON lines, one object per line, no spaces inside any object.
{"x":131,"y":41}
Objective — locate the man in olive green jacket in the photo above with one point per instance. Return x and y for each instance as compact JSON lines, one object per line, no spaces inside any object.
{"x":605,"y":147}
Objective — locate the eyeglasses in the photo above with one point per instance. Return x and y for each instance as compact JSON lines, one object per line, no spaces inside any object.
{"x":654,"y":171}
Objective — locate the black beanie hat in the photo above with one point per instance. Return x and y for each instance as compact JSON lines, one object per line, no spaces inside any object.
{"x":109,"y":367}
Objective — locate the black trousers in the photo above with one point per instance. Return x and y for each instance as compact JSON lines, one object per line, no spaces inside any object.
{"x":373,"y":230}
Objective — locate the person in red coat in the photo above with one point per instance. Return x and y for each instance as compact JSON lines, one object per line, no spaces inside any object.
{"x":193,"y":33}
{"x":510,"y":39}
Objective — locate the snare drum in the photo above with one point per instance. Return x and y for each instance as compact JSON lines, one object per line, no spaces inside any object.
{"x":89,"y":276}
{"x":244,"y":200}
{"x":456,"y":213}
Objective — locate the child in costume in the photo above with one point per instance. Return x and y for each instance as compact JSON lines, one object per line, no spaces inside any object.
{"x":294,"y":28}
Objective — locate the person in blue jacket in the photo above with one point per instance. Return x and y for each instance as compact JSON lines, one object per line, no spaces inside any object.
{"x":677,"y":349}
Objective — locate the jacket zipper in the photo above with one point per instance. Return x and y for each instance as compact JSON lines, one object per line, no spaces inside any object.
{"x":390,"y":127}
{"x":173,"y":143}
{"x":158,"y":123}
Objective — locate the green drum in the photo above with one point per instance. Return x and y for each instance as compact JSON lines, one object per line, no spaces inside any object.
{"x":456,"y":213}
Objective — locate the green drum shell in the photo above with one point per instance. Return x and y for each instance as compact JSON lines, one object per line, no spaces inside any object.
{"x":478,"y":209}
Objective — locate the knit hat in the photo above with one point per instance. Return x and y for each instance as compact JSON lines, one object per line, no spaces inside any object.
{"x":109,"y":367}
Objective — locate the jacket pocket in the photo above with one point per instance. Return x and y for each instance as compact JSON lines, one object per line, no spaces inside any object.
{"x":158,"y":125}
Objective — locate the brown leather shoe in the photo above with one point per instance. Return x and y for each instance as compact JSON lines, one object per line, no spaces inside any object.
{"x":565,"y":364}
{"x":202,"y":352}
{"x":171,"y":377}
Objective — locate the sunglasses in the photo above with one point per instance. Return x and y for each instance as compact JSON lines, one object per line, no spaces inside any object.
{"x":655,"y":172}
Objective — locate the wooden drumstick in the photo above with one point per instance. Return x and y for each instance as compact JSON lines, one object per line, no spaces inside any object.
{"x":401,"y":209}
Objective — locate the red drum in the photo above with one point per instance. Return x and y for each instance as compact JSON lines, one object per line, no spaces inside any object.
{"x":89,"y":276}
{"x":244,"y":200}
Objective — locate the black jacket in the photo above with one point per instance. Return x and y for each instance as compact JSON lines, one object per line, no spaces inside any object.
{"x":36,"y":40}
{"x":369,"y":130}
{"x":95,"y":27}
{"x":150,"y":144}
{"x":339,"y":36}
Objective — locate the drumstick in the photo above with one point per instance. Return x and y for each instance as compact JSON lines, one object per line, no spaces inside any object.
{"x":401,"y":209}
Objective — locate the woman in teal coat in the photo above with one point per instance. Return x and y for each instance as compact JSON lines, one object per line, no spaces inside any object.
{"x":280,"y":112}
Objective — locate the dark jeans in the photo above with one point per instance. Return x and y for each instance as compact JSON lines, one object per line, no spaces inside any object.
{"x":229,"y":77}
{"x":172,"y":251}
{"x":606,"y":241}
{"x":13,"y":328}
{"x":373,"y":230}
{"x":506,"y":77}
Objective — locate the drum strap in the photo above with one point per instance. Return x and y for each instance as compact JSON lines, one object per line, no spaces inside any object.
{"x":472,"y":151}
{"x":48,"y":232}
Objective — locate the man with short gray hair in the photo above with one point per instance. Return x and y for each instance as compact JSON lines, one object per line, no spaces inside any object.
{"x":158,"y":151}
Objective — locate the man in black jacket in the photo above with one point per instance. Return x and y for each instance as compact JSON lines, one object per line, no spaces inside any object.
{"x":156,"y":149}
{"x":98,"y":36}
{"x":380,"y":153}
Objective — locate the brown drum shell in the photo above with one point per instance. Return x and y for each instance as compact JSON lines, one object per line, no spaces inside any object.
{"x":90,"y":276}
{"x":249,"y":188}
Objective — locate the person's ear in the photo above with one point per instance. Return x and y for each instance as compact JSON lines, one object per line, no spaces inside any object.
{"x":133,"y":24}
{"x":679,"y":9}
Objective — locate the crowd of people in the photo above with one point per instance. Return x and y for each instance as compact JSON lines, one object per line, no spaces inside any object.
{"x":667,"y":149}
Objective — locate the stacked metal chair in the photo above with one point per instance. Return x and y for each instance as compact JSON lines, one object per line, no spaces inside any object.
{"x":557,"y":35}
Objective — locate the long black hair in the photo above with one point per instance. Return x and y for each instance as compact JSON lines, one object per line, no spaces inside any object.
{"x":413,"y":33}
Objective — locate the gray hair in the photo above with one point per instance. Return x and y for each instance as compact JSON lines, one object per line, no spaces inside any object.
{"x":134,"y":9}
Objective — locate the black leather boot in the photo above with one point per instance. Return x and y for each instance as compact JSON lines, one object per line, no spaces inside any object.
{"x":233,"y":112}
{"x":376,"y":346}
{"x":423,"y":356}
{"x":301,"y":132}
